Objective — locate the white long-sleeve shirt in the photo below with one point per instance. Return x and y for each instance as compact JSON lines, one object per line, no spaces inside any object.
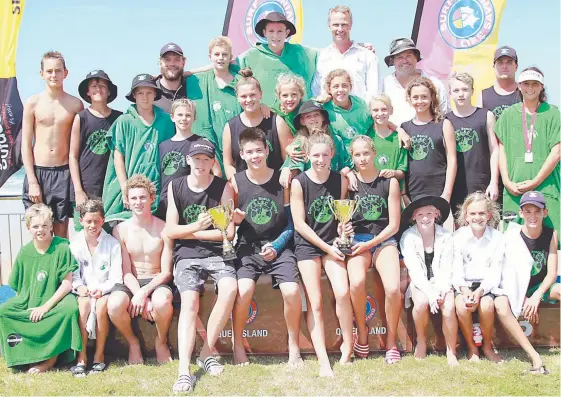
{"x":361,"y":64}
{"x":478,"y":260}
{"x":102,"y":270}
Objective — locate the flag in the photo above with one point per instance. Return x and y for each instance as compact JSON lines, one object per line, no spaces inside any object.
{"x":242,"y":15}
{"x":11,"y":108}
{"x":458,"y":36}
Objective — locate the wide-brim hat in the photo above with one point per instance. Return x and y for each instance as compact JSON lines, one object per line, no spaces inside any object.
{"x":441,"y":205}
{"x":97,"y":74}
{"x":274,"y":17}
{"x":143,"y":80}
{"x":308,"y":107}
{"x":400,"y":45}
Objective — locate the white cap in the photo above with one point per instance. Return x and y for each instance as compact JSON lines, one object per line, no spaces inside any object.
{"x":529,"y":75}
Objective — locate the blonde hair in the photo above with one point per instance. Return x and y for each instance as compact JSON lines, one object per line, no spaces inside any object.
{"x":187,"y":103}
{"x":220,"y":41}
{"x":491,"y":206}
{"x":342,"y":9}
{"x":38,"y":211}
{"x":139,"y":181}
{"x":53,"y":55}
{"x":435,"y":102}
{"x":247,"y":78}
{"x":287,"y":79}
{"x":333,"y":74}
{"x":464,"y":77}
{"x":318,"y":136}
{"x":380,"y":98}
{"x":362,"y":138}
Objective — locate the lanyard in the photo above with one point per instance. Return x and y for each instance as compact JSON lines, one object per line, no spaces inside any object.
{"x":528,"y":135}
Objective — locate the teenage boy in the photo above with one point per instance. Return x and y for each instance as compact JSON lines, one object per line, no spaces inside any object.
{"x":265,"y":241}
{"x":46,"y":125}
{"x":89,"y":153}
{"x":147,"y":272}
{"x":134,"y":139}
{"x":198,"y":255}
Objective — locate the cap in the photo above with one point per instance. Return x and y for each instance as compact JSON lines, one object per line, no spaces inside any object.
{"x":274,"y":17}
{"x":533,"y":197}
{"x":505,"y":51}
{"x":97,"y":74}
{"x":171,"y":47}
{"x":202,"y":146}
{"x":143,"y":80}
{"x":399,"y":45}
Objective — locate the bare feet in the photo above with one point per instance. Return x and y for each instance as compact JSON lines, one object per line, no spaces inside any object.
{"x":135,"y":354}
{"x":473,"y":355}
{"x":240,"y":358}
{"x":346,"y":352}
{"x":43,"y":366}
{"x":452,"y":359}
{"x":421,"y":350}
{"x":325,"y":371}
{"x":491,"y":354}
{"x":163,"y":355}
{"x":294,"y":358}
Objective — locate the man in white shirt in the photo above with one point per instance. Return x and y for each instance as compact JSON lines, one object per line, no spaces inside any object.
{"x":360,"y":62}
{"x":404,"y":56}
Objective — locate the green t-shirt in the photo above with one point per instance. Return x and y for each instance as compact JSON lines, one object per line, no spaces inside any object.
{"x":389,"y":156}
{"x":266,"y":66}
{"x":36,"y":277}
{"x":349,"y":123}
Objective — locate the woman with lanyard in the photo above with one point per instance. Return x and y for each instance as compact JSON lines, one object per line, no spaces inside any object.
{"x":529,"y":150}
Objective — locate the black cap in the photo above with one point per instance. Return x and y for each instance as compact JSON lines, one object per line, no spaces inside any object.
{"x":505,"y":51}
{"x":274,"y":17}
{"x":398,"y":46}
{"x":309,"y":107}
{"x":171,"y":47}
{"x":97,"y":74}
{"x":441,"y":205}
{"x":144,"y":80}
{"x":202,"y":146}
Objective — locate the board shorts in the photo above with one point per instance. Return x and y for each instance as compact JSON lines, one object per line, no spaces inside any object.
{"x":364,"y":237}
{"x":142,"y":282}
{"x":55,"y":190}
{"x":545,"y":296}
{"x":191,"y":274}
{"x":283,"y":268}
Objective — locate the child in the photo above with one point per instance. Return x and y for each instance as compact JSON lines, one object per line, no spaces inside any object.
{"x":100,"y":267}
{"x":375,"y":223}
{"x":476,"y":144}
{"x":316,"y":229}
{"x":248,"y":91}
{"x":476,"y":271}
{"x":40,"y":324}
{"x":197,"y":255}
{"x":290,"y":90}
{"x":427,"y":250}
{"x":432,"y":157}
{"x":264,"y":242}
{"x":89,"y":153}
{"x":529,"y":272}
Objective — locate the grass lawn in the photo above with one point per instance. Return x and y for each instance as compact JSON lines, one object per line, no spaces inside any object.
{"x":269,"y":376}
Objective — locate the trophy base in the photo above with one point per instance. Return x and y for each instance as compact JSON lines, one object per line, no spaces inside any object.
{"x":345,"y":249}
{"x":229,"y":256}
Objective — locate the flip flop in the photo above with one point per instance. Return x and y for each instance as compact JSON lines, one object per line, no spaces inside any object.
{"x":211,"y":366}
{"x":97,"y":368}
{"x":361,"y":351}
{"x":538,"y":371}
{"x":79,"y":371}
{"x":392,"y":356}
{"x":184,"y":384}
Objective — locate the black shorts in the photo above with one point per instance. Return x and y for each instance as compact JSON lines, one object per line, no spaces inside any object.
{"x":55,"y":190}
{"x":283,"y":268}
{"x":142,"y":283}
{"x":475,"y":285}
{"x":306,"y":252}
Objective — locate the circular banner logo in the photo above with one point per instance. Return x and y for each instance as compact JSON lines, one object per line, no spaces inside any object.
{"x":466,"y":23}
{"x":371,"y":307}
{"x":253,"y":311}
{"x":259,"y":9}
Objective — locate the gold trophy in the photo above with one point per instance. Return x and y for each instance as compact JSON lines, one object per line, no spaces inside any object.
{"x":221,"y":216}
{"x":343,"y":211}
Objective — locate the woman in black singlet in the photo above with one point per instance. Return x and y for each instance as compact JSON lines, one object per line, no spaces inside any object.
{"x":248,"y":92}
{"x":316,"y":230}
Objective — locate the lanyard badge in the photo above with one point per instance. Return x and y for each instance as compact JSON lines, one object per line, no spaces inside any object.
{"x":528,"y":134}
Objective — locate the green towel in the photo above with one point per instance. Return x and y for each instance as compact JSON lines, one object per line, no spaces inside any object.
{"x":288,"y":118}
{"x":349,"y":123}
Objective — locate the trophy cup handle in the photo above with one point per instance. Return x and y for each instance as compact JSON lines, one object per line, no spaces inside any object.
{"x":329,"y":200}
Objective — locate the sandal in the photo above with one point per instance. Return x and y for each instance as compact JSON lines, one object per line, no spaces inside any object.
{"x":538,"y":371}
{"x":184,"y":384}
{"x":97,"y":368}
{"x":392,"y":356}
{"x":210,"y":365}
{"x":79,"y":371}
{"x":361,"y":351}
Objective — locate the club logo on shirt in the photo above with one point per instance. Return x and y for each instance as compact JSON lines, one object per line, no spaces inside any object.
{"x":371,"y":206}
{"x":97,"y":143}
{"x":371,"y":307}
{"x":41,"y":275}
{"x":172,"y":161}
{"x":466,"y":23}
{"x":216,"y":106}
{"x":261,"y":210}
{"x":253,"y":311}
{"x":104,"y":265}
{"x":349,"y":132}
{"x":382,"y":159}
{"x":191,"y":212}
{"x":320,"y":210}
{"x":465,"y":139}
{"x":421,"y":145}
{"x":539,"y":262}
{"x":148,"y":146}
{"x":14,"y":339}
{"x":259,"y":9}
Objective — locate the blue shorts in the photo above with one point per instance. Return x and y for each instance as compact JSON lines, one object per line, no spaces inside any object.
{"x":364,"y":237}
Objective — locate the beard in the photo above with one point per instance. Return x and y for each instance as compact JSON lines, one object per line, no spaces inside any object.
{"x":171,"y":75}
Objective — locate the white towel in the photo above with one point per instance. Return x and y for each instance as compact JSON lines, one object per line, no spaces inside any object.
{"x":91,"y":324}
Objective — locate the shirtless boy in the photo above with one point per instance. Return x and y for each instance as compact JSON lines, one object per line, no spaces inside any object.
{"x":47,"y":121}
{"x":147,"y":270}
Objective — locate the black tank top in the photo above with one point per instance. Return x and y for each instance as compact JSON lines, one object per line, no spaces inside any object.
{"x":94,"y":152}
{"x":429,"y":257}
{"x":472,"y":147}
{"x":498,"y":103}
{"x":263,"y":204}
{"x":269,"y":127}
{"x":539,"y":248}
{"x":189,"y":205}
{"x":427,"y":159}
{"x":318,"y":215}
{"x":372,"y":213}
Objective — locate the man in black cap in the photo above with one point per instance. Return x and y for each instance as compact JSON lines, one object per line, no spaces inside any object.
{"x":504,"y":92}
{"x":171,"y":81}
{"x":89,"y":152}
{"x":404,"y":55}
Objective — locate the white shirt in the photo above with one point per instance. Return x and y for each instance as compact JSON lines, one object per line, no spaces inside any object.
{"x":104,"y":269}
{"x":361,"y":64}
{"x":478,"y":260}
{"x":402,"y":110}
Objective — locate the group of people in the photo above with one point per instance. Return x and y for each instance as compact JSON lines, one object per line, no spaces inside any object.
{"x":247,"y":134}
